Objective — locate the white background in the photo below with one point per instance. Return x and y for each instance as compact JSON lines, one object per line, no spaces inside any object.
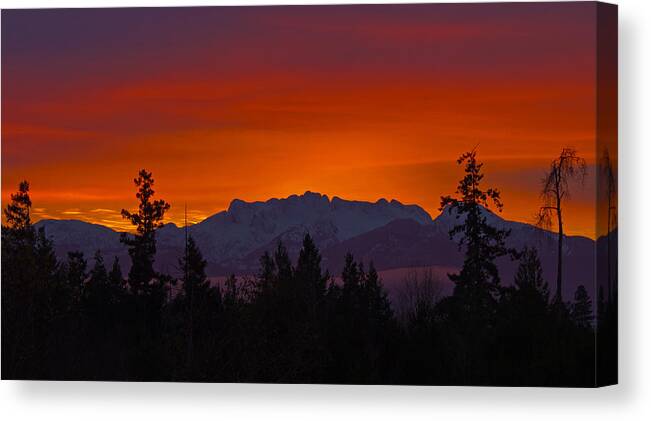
{"x":631,"y":399}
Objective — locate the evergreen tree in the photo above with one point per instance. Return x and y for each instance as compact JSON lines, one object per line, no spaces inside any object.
{"x":201,"y":303}
{"x":529,"y":277}
{"x":376,"y":297}
{"x":142,"y":246}
{"x":350,"y":277}
{"x":266,"y":277}
{"x":478,"y":282}
{"x":581,"y":310}
{"x":97,"y":293}
{"x":310,"y":281}
{"x":195,"y":282}
{"x":98,"y":274}
{"x":284,"y":269}
{"x":19,"y":286}
{"x":360,"y":325}
{"x":115,"y":276}
{"x":17,"y":212}
{"x":286,"y":291}
{"x":76,"y":273}
{"x":522,"y":324}
{"x":146,"y":286}
{"x":47,"y":265}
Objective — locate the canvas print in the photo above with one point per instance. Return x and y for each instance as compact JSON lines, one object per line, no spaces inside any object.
{"x":352,"y":194}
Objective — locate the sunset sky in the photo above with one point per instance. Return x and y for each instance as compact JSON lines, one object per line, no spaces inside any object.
{"x":360,"y":102}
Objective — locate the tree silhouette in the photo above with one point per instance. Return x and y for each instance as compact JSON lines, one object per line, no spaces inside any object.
{"x":98,"y":273}
{"x":98,"y":299}
{"x":283,"y":264}
{"x":193,"y":265}
{"x":556,"y":188}
{"x":478,"y":281}
{"x":581,"y":310}
{"x":97,"y":291}
{"x":521,"y":334}
{"x":66,"y":320}
{"x":311,"y":283}
{"x":146,"y":286}
{"x":195,"y":285}
{"x":115,"y":275}
{"x":76,"y":273}
{"x":142,"y":246}
{"x":18,"y":210}
{"x":200,"y":304}
{"x":18,"y":284}
{"x":529,"y":277}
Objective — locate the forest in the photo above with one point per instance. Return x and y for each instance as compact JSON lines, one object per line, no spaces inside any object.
{"x":81,"y":318}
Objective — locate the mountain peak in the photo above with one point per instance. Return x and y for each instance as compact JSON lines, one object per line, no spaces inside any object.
{"x":314,"y":195}
{"x":236,"y":204}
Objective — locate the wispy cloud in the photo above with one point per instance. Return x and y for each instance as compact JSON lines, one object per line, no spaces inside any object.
{"x":74,"y":211}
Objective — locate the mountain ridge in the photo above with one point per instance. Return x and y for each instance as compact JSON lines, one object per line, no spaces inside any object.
{"x":391,"y":234}
{"x":246,"y":226}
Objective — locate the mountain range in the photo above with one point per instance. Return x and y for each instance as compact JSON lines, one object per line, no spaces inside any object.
{"x":391,"y":234}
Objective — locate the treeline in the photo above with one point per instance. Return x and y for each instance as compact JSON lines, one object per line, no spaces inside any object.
{"x":293,"y":322}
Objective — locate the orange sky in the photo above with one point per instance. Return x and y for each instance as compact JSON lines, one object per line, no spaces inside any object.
{"x":360,"y":102}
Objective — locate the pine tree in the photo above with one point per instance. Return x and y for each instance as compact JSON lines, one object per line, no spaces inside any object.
{"x":76,"y":273}
{"x":360,"y":325}
{"x":98,"y":274}
{"x":284,"y":269}
{"x":20,"y":287}
{"x":267,"y":276}
{"x":142,"y":246}
{"x":115,"y":276}
{"x":529,"y":277}
{"x":97,"y":292}
{"x":98,"y":295}
{"x":310,"y":281}
{"x":350,"y":275}
{"x":377,"y":298}
{"x":478,"y":282}
{"x":17,"y":212}
{"x":193,"y":265}
{"x":195,"y":296}
{"x":581,"y":310}
{"x":521,"y":334}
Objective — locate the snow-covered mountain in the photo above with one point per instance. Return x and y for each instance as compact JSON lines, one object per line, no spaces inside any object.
{"x":232,"y":235}
{"x":247,"y":226}
{"x":389,"y":233}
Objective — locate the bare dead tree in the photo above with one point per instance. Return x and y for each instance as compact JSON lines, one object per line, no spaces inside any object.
{"x":419,"y":292}
{"x":555,"y":189}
